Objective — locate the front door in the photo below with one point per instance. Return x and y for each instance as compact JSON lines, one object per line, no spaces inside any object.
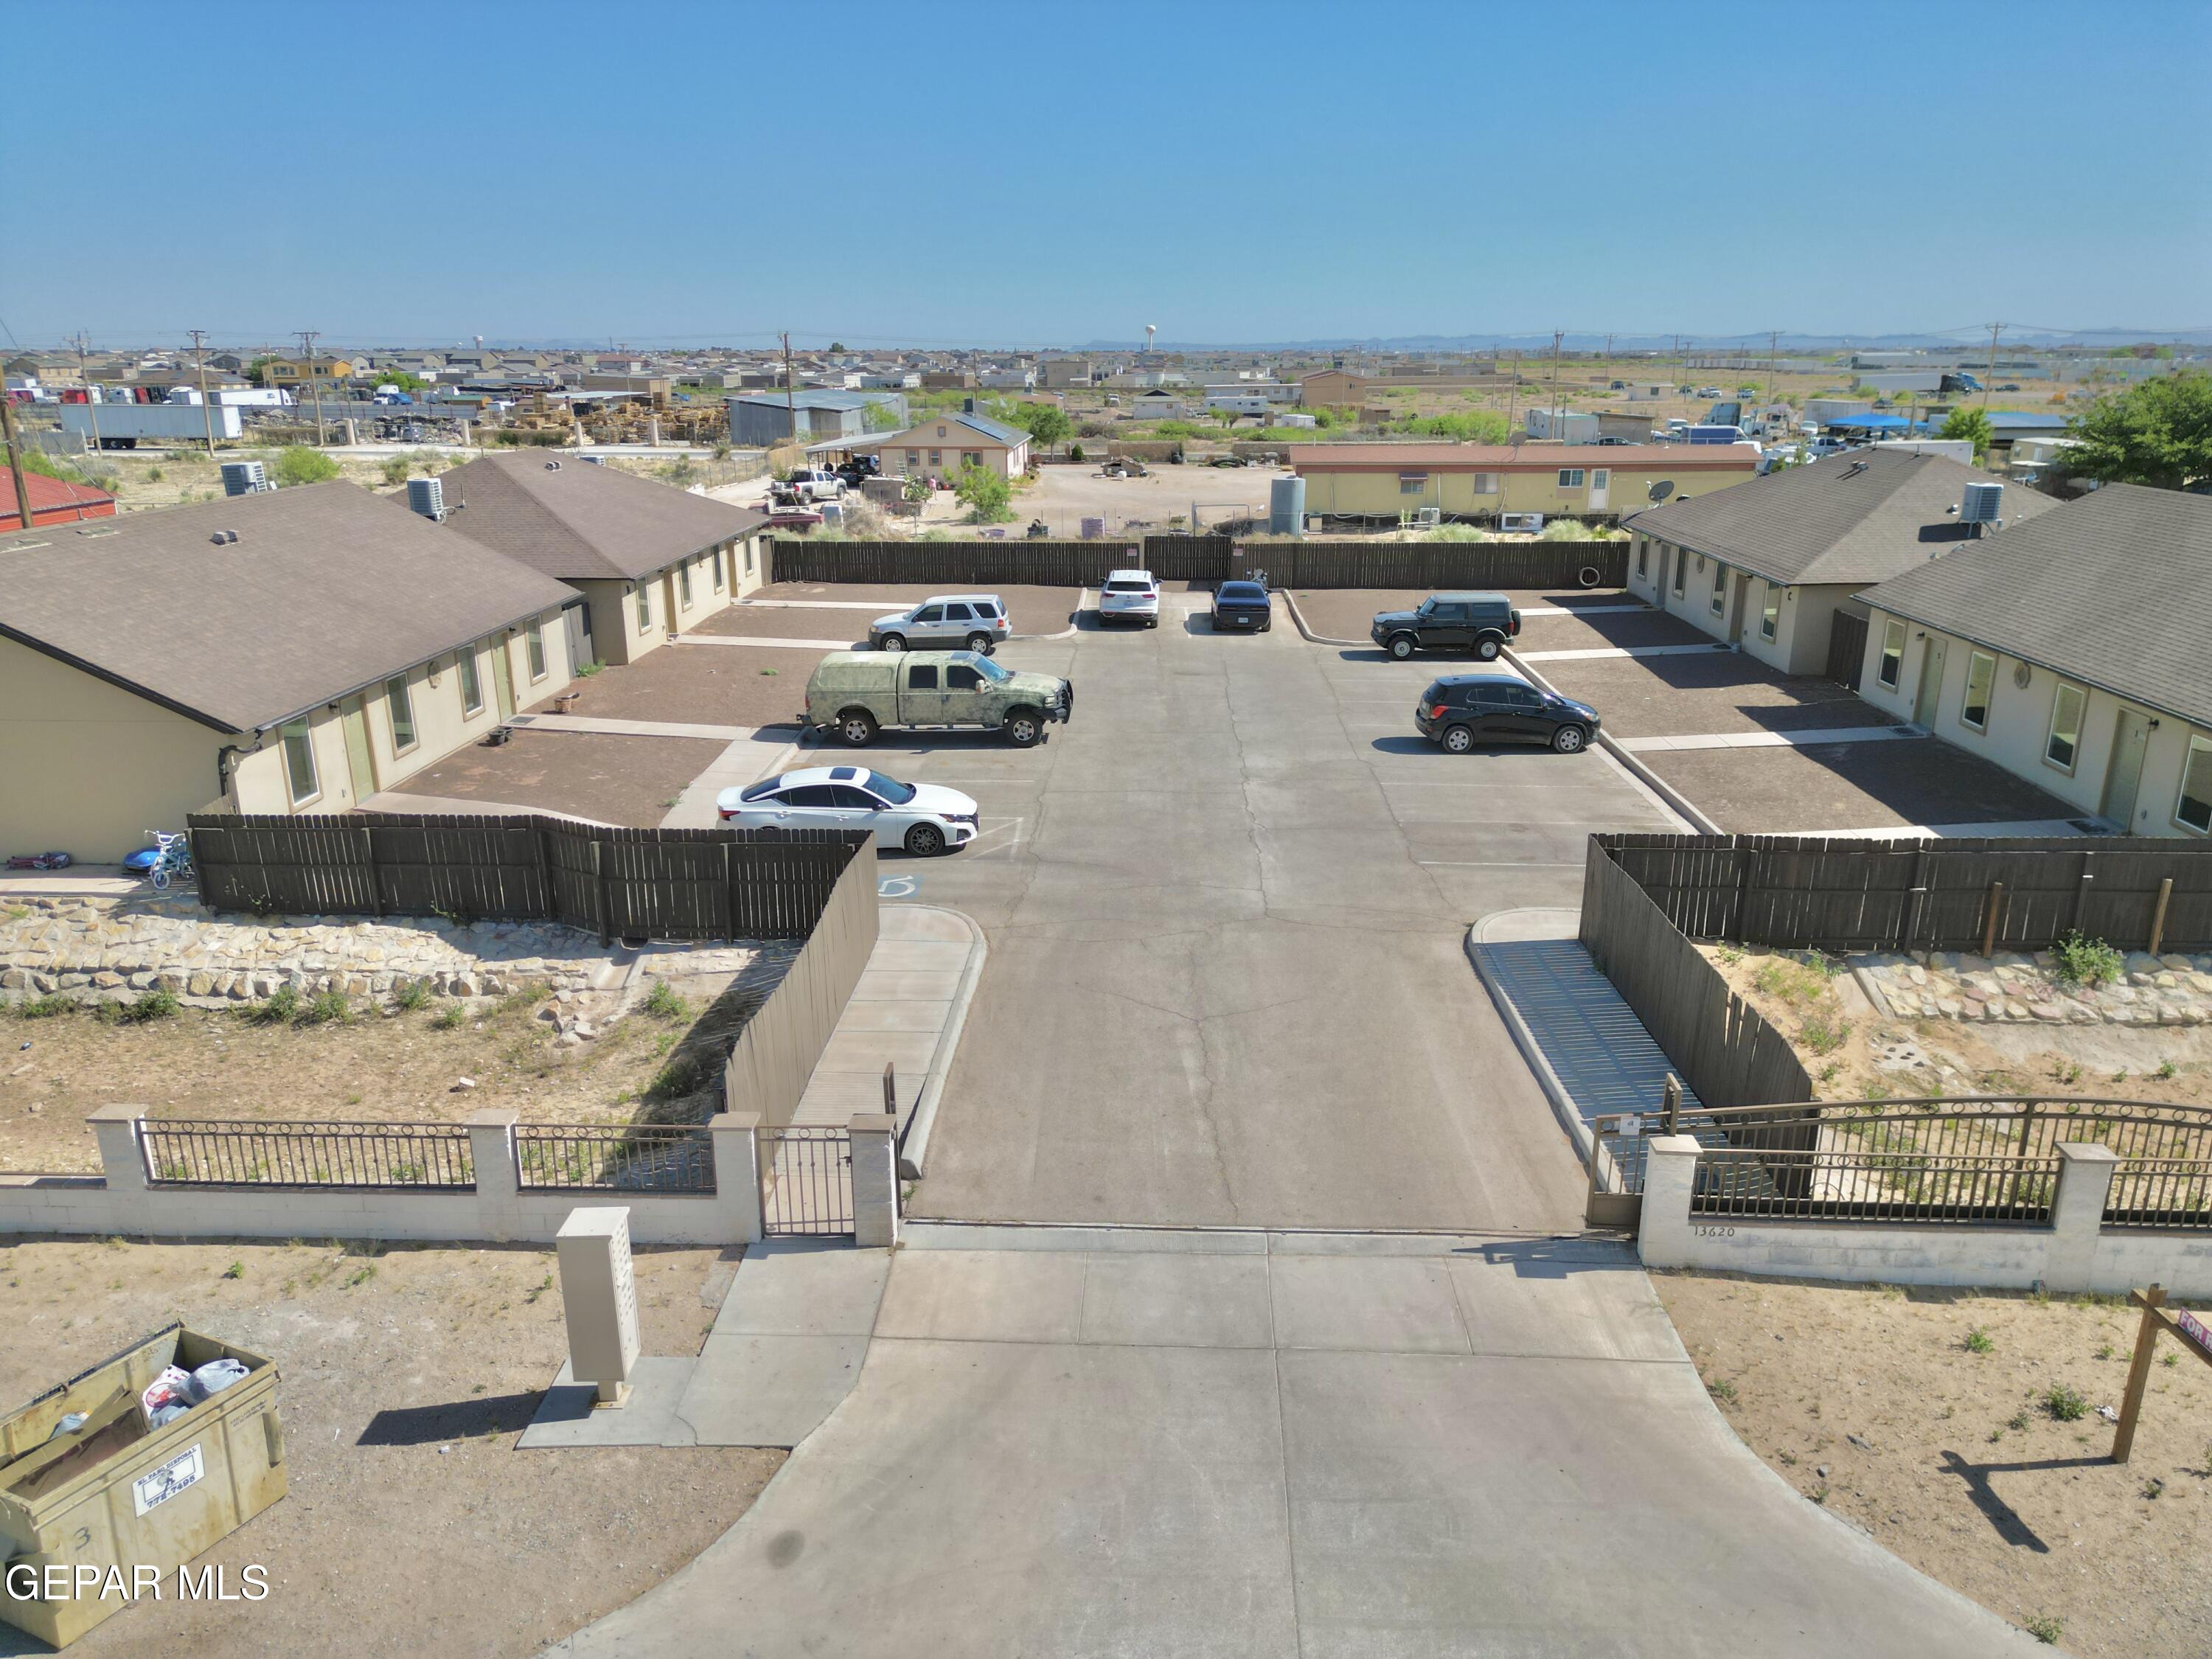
{"x":359,"y":768}
{"x":1600,"y":488}
{"x":2125,"y":777}
{"x":576,"y":619}
{"x":668,"y":601}
{"x":1929,"y":691}
{"x":503,"y":680}
{"x":1739,"y":584}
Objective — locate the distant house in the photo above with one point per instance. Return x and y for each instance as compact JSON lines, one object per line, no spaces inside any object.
{"x":361,"y":643}
{"x":1372,"y":481}
{"x":940,"y":447}
{"x":229,"y":362}
{"x":768,"y":417}
{"x":2074,"y":649}
{"x":649,"y":559}
{"x":1769,"y":567}
{"x":52,"y":501}
{"x":289,"y":372}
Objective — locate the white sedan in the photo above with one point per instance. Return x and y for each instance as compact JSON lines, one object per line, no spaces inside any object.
{"x":925,"y":819}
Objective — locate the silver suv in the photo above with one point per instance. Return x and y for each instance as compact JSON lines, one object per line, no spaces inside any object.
{"x":971,"y":622}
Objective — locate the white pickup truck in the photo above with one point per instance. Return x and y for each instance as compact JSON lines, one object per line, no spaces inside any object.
{"x":814,"y":483}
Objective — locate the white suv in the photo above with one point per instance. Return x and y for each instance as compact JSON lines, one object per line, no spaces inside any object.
{"x":1130,"y":596}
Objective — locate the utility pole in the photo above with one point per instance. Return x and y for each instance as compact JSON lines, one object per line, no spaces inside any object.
{"x":16,"y":459}
{"x":91,"y":404}
{"x":1996,"y":328}
{"x":307,"y":339}
{"x":790,"y":387}
{"x":207,"y":415}
{"x":1512,"y":396}
{"x":1773,"y":345}
{"x":1552,"y":398}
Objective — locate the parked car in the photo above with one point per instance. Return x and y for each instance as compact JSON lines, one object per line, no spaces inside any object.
{"x":816,"y":483}
{"x":1123,"y":467}
{"x":856,"y":694}
{"x":1242,"y":607}
{"x":1229,"y":460}
{"x":790,"y":517}
{"x":1461,"y":711}
{"x":977,"y":621}
{"x":925,"y":819}
{"x":1130,"y":596}
{"x":1480,"y":623}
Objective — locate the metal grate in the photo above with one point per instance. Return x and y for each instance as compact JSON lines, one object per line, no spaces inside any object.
{"x":227,"y":1153}
{"x":806,"y":1180}
{"x":620,"y":1158}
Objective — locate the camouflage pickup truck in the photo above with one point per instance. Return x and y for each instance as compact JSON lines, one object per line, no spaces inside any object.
{"x":857,"y":693}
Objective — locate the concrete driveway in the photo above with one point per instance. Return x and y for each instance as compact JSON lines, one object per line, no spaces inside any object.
{"x":1226,"y":907}
{"x":1271,"y":1445}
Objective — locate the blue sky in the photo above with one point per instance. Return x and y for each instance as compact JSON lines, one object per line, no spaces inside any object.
{"x":1039,"y":172}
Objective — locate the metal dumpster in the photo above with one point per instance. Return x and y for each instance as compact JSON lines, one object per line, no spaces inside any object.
{"x":114,"y":1493}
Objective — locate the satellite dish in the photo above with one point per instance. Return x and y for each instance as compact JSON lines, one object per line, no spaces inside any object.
{"x":1660,"y":490}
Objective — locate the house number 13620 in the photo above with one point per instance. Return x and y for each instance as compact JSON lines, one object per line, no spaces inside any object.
{"x":1716,"y":1232}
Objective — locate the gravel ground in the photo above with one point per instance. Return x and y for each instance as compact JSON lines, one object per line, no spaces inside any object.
{"x":1711,"y":691}
{"x":1859,"y":785}
{"x":1344,"y":613}
{"x":414,"y":1525}
{"x":608,"y":778}
{"x":1032,"y":610}
{"x":1868,"y":1399}
{"x":715,"y":684}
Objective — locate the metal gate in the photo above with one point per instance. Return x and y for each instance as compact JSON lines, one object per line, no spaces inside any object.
{"x":806,"y":1181}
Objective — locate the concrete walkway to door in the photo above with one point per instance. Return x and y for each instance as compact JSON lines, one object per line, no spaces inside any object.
{"x":1092,"y":1441}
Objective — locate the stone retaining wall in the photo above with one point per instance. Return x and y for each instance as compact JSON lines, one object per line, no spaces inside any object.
{"x":2165,"y":990}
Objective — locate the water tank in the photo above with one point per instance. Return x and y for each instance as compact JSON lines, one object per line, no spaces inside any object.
{"x":1978,"y":503}
{"x":244,"y":477}
{"x":427,"y":497}
{"x":1287,"y":504}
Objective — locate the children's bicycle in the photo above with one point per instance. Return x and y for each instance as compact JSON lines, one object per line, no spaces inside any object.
{"x":168,"y":858}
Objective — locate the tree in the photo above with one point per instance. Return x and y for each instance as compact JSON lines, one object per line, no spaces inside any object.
{"x":2159,"y":433}
{"x":1972,"y":425}
{"x":399,"y":380}
{"x":258,"y":370}
{"x":986,"y":493}
{"x":877,"y":415}
{"x":296,"y":464}
{"x":836,"y":348}
{"x":1048,"y":423}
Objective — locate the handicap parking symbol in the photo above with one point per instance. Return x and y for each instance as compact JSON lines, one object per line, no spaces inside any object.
{"x":897,"y":887}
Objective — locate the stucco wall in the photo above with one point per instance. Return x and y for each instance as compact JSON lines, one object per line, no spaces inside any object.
{"x":1377,"y":493}
{"x":87,"y":768}
{"x":2019,"y":727}
{"x":616,"y":634}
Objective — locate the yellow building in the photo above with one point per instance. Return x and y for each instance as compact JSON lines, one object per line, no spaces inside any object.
{"x":1480,"y":481}
{"x":290,"y":373}
{"x":343,"y":644}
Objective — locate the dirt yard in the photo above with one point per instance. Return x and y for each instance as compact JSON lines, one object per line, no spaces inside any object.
{"x":1852,"y":1053}
{"x":402,"y":1066}
{"x":604,"y":776}
{"x":1030,"y":610}
{"x":1923,"y":1417}
{"x":413,"y":1524}
{"x":1345,"y":613}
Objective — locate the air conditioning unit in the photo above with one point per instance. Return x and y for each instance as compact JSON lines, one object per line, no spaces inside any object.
{"x":427,"y":497}
{"x":1528,"y":522}
{"x":244,"y":479}
{"x":1429,"y":518}
{"x":1978,"y":503}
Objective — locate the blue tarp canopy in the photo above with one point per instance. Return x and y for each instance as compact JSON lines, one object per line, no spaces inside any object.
{"x":1880,"y":424}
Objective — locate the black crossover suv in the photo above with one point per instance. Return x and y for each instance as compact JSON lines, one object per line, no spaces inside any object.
{"x":1480,"y":623}
{"x":1462,"y":710}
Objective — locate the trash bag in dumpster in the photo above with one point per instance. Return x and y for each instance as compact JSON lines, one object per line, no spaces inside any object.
{"x":215,"y":1377}
{"x":168,"y":1396}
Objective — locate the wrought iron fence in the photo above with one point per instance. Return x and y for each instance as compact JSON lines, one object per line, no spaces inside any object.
{"x":2162,"y":1193}
{"x":1842,"y":1183}
{"x":633,"y":1158}
{"x":237,"y":1154}
{"x":806,"y":1180}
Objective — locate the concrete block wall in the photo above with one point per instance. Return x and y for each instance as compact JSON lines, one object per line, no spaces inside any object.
{"x":121,"y":1200}
{"x":2075,"y":1252}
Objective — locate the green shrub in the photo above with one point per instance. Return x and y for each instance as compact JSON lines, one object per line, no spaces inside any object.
{"x":678,"y":1077}
{"x":2045,"y":1629}
{"x":395,"y":469}
{"x":296,"y":464}
{"x":662,"y":1002}
{"x":1977,"y":1341}
{"x":449,"y":1018}
{"x":2065,"y":1403}
{"x":2084,"y":961}
{"x":329,"y":1008}
{"x":409,"y":993}
{"x":279,"y":1009}
{"x":44,"y":1007}
{"x":154,"y":1005}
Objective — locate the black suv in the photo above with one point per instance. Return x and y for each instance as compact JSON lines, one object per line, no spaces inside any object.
{"x":1481,"y":623}
{"x":1462,"y":710}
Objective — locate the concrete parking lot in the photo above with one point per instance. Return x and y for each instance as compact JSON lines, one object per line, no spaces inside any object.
{"x":1226,"y":908}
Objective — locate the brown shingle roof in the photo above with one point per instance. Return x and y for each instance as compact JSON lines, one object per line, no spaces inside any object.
{"x":582,"y":522}
{"x":1863,"y":516}
{"x":2114,"y":590}
{"x":327,"y":589}
{"x":1521,"y":458}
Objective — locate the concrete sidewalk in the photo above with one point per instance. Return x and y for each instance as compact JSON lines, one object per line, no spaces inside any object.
{"x":1099,"y":1441}
{"x":629,"y":728}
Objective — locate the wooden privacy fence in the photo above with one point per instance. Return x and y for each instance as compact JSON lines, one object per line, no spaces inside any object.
{"x":1727,"y":1054}
{"x":775,"y":1053}
{"x":617,"y":883}
{"x":1207,"y":559}
{"x":1805,"y":892}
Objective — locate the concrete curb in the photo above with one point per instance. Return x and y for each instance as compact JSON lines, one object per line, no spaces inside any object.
{"x":1082,"y":602}
{"x":1675,"y":800}
{"x":915,"y":1148}
{"x":1563,"y":1104}
{"x":1312,"y":638}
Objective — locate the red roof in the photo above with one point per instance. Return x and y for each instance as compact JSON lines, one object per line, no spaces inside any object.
{"x":53,"y":501}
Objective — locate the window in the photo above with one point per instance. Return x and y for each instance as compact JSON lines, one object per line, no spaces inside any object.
{"x":2193,"y":810}
{"x":1643,"y":559}
{"x":683,"y":584}
{"x":914,"y":458}
{"x":1892,"y":654}
{"x":748,"y":558}
{"x":471,"y":687}
{"x":958,"y":613}
{"x":644,"y":608}
{"x":715,"y":558}
{"x":300,"y":763}
{"x":922,"y":677}
{"x":930,"y":613}
{"x":1412,"y":484}
{"x":1571,"y":478}
{"x":1770,"y":619}
{"x":1486,"y":483}
{"x":1720,"y":588}
{"x":961,"y":677}
{"x":402,"y":709}
{"x":1981,"y":674}
{"x":535,"y":637}
{"x":2064,"y":742}
{"x":991,"y":671}
{"x":890,"y":789}
{"x":936,"y":458}
{"x":1601,"y":479}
